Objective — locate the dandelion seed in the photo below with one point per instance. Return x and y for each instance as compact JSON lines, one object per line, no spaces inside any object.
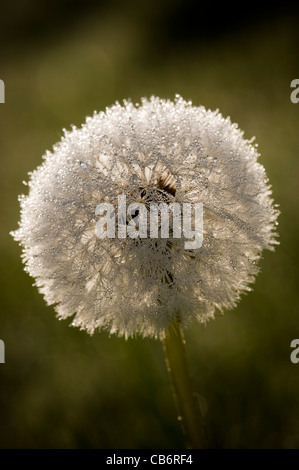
{"x":158,"y":152}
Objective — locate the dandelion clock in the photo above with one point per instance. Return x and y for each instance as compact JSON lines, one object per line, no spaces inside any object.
{"x":148,"y":218}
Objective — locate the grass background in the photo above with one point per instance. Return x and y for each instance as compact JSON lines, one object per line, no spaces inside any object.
{"x":61,"y":61}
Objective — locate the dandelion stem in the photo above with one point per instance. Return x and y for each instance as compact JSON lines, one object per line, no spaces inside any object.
{"x":180,"y":377}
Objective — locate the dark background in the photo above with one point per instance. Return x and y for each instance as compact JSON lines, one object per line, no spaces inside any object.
{"x":60,"y":61}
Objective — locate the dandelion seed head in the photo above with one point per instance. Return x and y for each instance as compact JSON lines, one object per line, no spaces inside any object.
{"x":159,"y":151}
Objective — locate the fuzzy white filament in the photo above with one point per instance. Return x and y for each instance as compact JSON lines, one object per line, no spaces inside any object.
{"x":158,"y":152}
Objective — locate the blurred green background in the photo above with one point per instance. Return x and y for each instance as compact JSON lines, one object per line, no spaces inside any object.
{"x":61,"y":61}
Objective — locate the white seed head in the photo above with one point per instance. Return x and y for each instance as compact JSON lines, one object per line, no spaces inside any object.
{"x":159,"y":151}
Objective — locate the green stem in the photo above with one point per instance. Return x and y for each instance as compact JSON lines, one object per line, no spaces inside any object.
{"x":188,"y":407}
